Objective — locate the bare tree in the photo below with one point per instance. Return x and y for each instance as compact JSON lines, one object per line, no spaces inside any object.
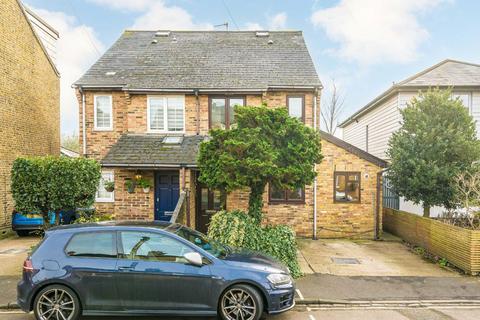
{"x":467,"y":187}
{"x":333,"y":109}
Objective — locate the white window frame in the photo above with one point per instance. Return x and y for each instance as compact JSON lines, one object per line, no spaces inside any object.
{"x":112,"y":194}
{"x":165,"y":113}
{"x":95,"y":126}
{"x":455,"y":94}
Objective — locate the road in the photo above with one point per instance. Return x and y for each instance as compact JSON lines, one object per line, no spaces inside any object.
{"x":440,"y":313}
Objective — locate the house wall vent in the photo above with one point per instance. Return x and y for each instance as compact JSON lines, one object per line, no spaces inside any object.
{"x":262,"y":34}
{"x":162,"y":34}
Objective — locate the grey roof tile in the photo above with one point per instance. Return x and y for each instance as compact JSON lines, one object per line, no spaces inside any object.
{"x":149,"y":150}
{"x":205,"y":60}
{"x":353,"y":150}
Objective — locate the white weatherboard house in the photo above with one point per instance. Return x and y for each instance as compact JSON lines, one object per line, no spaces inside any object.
{"x":371,"y":127}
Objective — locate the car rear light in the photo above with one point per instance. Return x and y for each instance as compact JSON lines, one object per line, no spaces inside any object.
{"x":28,"y":266}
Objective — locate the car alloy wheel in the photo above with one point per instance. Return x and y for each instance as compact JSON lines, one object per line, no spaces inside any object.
{"x":238,"y":304}
{"x":56,"y":304}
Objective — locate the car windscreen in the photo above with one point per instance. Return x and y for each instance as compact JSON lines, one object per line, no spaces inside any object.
{"x":200,"y":240}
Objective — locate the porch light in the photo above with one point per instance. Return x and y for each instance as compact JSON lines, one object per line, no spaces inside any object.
{"x":138,"y":175}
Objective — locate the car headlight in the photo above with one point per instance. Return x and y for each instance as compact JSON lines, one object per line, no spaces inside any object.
{"x":279,"y":279}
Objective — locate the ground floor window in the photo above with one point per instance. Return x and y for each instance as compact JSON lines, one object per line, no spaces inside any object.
{"x":346,"y":187}
{"x":286,"y":195}
{"x":102,"y":194}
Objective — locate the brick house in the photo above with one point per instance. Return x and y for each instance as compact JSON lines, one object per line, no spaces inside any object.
{"x":29,"y":94}
{"x":150,"y":100}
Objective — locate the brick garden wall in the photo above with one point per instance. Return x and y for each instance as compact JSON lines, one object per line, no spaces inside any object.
{"x":29,"y":100}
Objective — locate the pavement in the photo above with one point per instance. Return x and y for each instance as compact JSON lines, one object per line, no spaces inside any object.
{"x":322,"y":314}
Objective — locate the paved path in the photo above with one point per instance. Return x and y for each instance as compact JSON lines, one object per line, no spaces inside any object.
{"x":330,"y":287}
{"x":329,"y":314}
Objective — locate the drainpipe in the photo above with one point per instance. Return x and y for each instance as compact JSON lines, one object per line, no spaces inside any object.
{"x":197,"y":99}
{"x":315,"y":97}
{"x":376,"y":235}
{"x":84,"y":132}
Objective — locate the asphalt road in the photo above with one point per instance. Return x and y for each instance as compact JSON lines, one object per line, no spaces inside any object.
{"x":452,"y":313}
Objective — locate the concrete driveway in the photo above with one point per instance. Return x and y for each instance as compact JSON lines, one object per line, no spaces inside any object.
{"x":365,"y":258}
{"x":13,"y":251}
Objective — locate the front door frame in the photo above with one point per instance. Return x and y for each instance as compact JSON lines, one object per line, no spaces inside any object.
{"x":157,"y":200}
{"x":201,"y":225}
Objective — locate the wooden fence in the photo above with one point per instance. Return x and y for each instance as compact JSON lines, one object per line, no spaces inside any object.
{"x":461,"y":247}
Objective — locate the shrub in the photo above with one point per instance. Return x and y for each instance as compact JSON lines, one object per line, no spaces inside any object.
{"x":90,"y":216}
{"x":50,"y":184}
{"x":238,"y":229}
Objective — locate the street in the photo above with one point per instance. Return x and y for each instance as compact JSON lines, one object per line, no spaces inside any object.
{"x":440,"y":313}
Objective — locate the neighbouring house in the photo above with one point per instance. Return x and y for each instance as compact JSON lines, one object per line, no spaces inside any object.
{"x":371,"y":127}
{"x":150,"y":100}
{"x":29,"y":95}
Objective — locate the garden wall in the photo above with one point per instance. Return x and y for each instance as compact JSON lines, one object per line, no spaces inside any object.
{"x":461,"y":247}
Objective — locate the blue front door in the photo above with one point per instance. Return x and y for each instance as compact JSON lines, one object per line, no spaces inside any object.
{"x":166,"y":194}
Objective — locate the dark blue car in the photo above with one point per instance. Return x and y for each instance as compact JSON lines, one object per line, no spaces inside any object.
{"x":136,"y":268}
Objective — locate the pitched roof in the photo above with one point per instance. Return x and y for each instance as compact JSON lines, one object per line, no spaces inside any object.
{"x":447,"y":73}
{"x":149,"y":150}
{"x":353,"y":150}
{"x":24,"y":9}
{"x":204,"y":60}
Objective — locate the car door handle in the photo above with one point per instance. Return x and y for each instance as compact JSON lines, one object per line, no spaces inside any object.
{"x":125,"y":268}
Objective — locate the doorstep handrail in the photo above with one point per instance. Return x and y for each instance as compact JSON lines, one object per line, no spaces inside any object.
{"x":178,"y":207}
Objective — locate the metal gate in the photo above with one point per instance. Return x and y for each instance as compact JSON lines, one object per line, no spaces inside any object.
{"x":390,"y":198}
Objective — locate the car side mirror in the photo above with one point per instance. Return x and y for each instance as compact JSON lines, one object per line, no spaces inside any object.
{"x":194,"y":258}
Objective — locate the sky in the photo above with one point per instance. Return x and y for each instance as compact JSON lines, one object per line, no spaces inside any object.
{"x":361,"y":45}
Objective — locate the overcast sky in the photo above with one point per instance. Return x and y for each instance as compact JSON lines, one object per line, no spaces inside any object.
{"x":364,"y":45}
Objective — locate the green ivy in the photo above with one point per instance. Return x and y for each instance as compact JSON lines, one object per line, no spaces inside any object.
{"x":238,"y":229}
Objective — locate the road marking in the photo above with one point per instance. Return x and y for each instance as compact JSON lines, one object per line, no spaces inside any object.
{"x":300,"y":294}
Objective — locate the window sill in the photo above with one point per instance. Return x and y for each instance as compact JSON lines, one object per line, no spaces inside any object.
{"x":103,"y":129}
{"x":166,"y":132}
{"x":273,"y":202}
{"x":104,"y":200}
{"x":347,"y":202}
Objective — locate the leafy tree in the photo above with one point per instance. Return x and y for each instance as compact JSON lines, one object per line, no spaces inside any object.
{"x":436,"y":142}
{"x":71,"y":142}
{"x":265,"y":146}
{"x":50,"y":184}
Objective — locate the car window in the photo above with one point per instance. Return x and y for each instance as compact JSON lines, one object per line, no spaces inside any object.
{"x":92,"y":244}
{"x":201,"y":241}
{"x":152,"y":247}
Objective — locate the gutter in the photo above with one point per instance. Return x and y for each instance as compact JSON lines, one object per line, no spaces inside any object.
{"x":140,"y":166}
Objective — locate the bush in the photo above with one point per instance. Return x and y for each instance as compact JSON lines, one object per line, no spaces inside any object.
{"x":90,"y":216}
{"x":50,"y":184}
{"x":238,"y":229}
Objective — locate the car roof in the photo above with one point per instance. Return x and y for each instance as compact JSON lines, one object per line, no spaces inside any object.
{"x":117,"y":223}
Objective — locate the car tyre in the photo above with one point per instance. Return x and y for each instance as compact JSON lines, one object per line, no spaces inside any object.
{"x":23,"y":233}
{"x":241,"y":302}
{"x":56,"y":300}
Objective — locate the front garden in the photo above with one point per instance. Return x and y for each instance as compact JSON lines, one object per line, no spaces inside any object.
{"x":435,"y":161}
